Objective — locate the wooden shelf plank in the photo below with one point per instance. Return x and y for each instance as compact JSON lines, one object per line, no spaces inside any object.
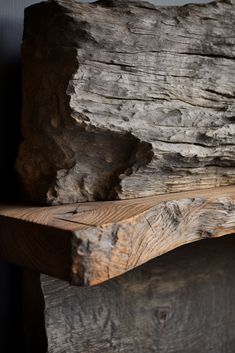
{"x":89,"y":243}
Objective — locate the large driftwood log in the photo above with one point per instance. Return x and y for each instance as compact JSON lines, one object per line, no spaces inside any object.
{"x":182,"y":302}
{"x":90,"y":243}
{"x":124,"y":99}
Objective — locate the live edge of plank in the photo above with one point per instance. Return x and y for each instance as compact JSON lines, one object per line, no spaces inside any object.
{"x":89,"y":243}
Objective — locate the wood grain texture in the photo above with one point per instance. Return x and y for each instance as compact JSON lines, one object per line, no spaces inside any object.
{"x":41,"y":248}
{"x":128,"y":99}
{"x":110,"y":238}
{"x":182,"y":302}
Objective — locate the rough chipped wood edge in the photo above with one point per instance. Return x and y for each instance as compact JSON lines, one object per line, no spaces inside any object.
{"x":149,"y":91}
{"x":111,"y":238}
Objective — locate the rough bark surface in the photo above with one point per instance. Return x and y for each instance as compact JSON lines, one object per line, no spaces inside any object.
{"x":124,"y":99}
{"x":110,"y":238}
{"x":182,"y":302}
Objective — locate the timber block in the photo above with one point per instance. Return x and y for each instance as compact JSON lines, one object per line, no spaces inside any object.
{"x":127,"y":99}
{"x":181,"y":302}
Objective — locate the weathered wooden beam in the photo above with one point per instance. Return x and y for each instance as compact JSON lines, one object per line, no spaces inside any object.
{"x":181,"y":302}
{"x":89,"y":243}
{"x":127,"y":99}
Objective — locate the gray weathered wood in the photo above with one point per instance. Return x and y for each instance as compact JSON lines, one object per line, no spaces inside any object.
{"x":182,"y":302}
{"x":124,"y":99}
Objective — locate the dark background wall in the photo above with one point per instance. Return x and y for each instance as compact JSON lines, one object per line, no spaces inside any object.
{"x":11,"y":23}
{"x":11,"y":27}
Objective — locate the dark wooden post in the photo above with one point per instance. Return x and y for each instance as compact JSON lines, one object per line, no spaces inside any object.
{"x":33,"y":313}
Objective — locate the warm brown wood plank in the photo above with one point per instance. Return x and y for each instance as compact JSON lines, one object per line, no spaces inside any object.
{"x":41,"y":248}
{"x":181,"y":302}
{"x":110,"y":238}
